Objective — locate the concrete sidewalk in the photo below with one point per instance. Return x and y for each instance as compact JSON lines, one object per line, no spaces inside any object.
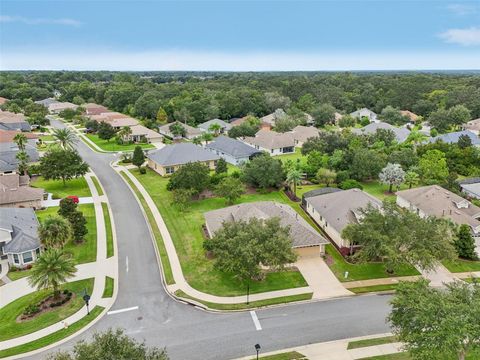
{"x":56,"y":202}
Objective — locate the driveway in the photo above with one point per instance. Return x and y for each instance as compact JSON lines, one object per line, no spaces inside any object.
{"x":319,"y":277}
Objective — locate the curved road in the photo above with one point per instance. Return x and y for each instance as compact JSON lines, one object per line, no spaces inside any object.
{"x":189,"y":333}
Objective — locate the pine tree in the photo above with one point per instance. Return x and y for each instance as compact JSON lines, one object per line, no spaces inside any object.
{"x":465,"y":244}
{"x":138,"y":157}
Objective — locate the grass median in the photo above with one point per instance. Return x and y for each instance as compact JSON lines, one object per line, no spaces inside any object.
{"x":108,"y":290}
{"x":108,"y":230}
{"x":97,"y":185}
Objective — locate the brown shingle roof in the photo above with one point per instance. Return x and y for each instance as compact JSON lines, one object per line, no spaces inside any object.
{"x":6,"y":136}
{"x":271,"y":140}
{"x":13,"y":190}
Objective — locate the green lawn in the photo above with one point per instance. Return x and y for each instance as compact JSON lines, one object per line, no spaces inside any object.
{"x":10,"y":328}
{"x":373,"y":288}
{"x":460,"y":265}
{"x":294,"y":156}
{"x":251,"y":305}
{"x":78,"y":187}
{"x":108,"y":229}
{"x":361,"y":271}
{"x":113,"y":146}
{"x":54,"y":337}
{"x":47,"y":138}
{"x":371,"y":342}
{"x":186,"y":231}
{"x":380,"y":190}
{"x":15,"y":275}
{"x":108,"y":291}
{"x":97,"y":185}
{"x":86,"y":251}
{"x":396,"y":356}
{"x":291,"y":355}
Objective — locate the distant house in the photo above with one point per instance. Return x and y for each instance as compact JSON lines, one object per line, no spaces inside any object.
{"x":302,"y":133}
{"x":141,"y":133}
{"x":334,"y":210}
{"x":238,"y":121}
{"x":233,"y":151}
{"x":305,"y":239}
{"x":16,"y":192}
{"x":170,"y":158}
{"x":94,"y":109}
{"x":473,"y":126}
{"x":8,"y":155}
{"x":268,"y":121}
{"x":224,"y":126}
{"x":453,"y":137}
{"x":190,"y":134}
{"x":471,"y":187}
{"x":47,"y":102}
{"x":57,"y":108}
{"x":7,"y":136}
{"x":12,"y":121}
{"x":401,"y":134}
{"x":364,"y":112}
{"x":19,"y":242}
{"x":412,"y":116}
{"x":272,"y":142}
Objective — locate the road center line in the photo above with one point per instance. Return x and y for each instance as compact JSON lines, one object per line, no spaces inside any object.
{"x":126,"y":263}
{"x":255,"y":320}
{"x":122,"y":310}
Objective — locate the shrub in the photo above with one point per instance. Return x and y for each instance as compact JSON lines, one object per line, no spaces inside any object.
{"x":31,"y":309}
{"x":350,"y":184}
{"x":143,"y":170}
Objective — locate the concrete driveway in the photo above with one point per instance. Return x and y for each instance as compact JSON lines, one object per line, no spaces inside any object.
{"x":319,"y":277}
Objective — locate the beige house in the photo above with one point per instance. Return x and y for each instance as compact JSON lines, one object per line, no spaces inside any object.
{"x":302,"y":133}
{"x":56,"y":108}
{"x":16,"y":192}
{"x":272,"y":142}
{"x":170,"y":158}
{"x":334,"y":210}
{"x":305,"y":239}
{"x":473,"y":126}
{"x":94,"y":109}
{"x":190,"y":131}
{"x":141,"y":133}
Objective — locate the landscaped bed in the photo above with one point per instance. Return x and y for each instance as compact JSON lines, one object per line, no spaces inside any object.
{"x":186,"y":231}
{"x":11,"y":327}
{"x":460,"y":265}
{"x":112,"y":145}
{"x":78,"y":187}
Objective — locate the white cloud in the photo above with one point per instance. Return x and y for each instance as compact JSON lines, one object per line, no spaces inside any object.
{"x":466,"y":37}
{"x":39,"y":21}
{"x":101,"y":59}
{"x":463,"y":9}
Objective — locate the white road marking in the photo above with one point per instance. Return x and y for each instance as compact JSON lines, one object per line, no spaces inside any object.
{"x":122,"y":310}
{"x":126,"y":263}
{"x":255,"y":320}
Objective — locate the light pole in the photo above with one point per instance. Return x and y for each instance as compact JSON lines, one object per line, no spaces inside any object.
{"x":248,"y":292}
{"x":86,"y":298}
{"x":257,"y":348}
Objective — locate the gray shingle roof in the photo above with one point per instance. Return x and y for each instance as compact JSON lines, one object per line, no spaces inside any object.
{"x":452,"y":138}
{"x":179,"y":154}
{"x":23,"y":225}
{"x":401,"y":134}
{"x":232,"y":147}
{"x":321,"y":191}
{"x":206,"y":125}
{"x":301,"y":232}
{"x":339,"y":208}
{"x":8,"y":153}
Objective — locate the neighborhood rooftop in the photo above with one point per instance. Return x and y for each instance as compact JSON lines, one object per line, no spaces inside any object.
{"x":22,"y":223}
{"x":401,"y":134}
{"x":181,"y":153}
{"x":271,"y":140}
{"x":233,"y":147}
{"x":452,"y":138}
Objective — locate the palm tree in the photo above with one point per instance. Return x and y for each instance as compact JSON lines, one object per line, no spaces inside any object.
{"x":21,"y":140}
{"x":52,"y":268}
{"x":215,"y":128}
{"x":22,"y":158}
{"x":125,"y":132}
{"x":65,"y":137}
{"x":293,"y":177}
{"x":207,"y":137}
{"x":197,"y":140}
{"x":416,"y":138}
{"x":55,"y":232}
{"x":411,"y":178}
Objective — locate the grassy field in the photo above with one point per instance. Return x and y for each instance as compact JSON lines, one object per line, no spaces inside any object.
{"x":108,"y":229}
{"x":54,"y":337}
{"x":371,"y":342}
{"x":10,"y":328}
{"x":113,"y":146}
{"x":460,"y":265}
{"x":251,"y":305}
{"x":97,"y":185}
{"x":361,"y":271}
{"x":108,"y":291}
{"x":86,"y":251}
{"x":78,"y":187}
{"x":186,"y":231}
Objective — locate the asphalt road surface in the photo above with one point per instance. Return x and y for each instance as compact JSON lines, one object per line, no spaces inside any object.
{"x":191,"y":333}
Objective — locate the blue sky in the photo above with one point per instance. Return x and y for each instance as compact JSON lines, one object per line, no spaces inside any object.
{"x":239,"y":35}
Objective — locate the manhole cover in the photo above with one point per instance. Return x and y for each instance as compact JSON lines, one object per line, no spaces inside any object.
{"x":140,"y":318}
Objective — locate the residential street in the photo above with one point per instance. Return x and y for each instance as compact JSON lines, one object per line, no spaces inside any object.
{"x":190,"y":333}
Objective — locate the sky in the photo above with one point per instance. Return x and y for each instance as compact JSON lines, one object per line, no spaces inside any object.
{"x":227,"y":35}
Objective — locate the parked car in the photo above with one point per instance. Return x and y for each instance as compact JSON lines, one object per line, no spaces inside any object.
{"x":74,"y":198}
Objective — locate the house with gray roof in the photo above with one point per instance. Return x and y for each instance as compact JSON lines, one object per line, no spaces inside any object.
{"x":272,"y":142}
{"x":190,"y":131}
{"x":224,"y":126}
{"x":335,"y":210}
{"x":471,"y":187}
{"x":303,"y":235}
{"x":13,"y":121}
{"x":8,"y":155}
{"x":453,"y":137}
{"x":233,"y":151}
{"x":317,"y":192}
{"x":401,"y":134}
{"x":170,"y":158}
{"x":364,"y":112}
{"x":19,"y":242}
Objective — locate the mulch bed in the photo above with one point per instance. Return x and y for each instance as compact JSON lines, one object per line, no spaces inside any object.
{"x":44,"y":306}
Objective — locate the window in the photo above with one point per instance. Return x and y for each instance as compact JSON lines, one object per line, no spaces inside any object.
{"x":27,"y":257}
{"x":37,"y":251}
{"x":15,"y":259}
{"x":169,"y":169}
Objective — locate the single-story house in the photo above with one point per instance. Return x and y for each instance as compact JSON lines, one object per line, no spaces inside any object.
{"x":302,"y":133}
{"x":19,"y":242}
{"x":108,"y":115}
{"x":8,"y":155}
{"x":473,"y":126}
{"x":305,"y":239}
{"x":411,"y":115}
{"x":317,"y":192}
{"x":12,"y":121}
{"x":94,"y":109}
{"x":453,"y":137}
{"x":364,"y":112}
{"x":47,"y":102}
{"x":334,"y":210}
{"x":439,"y":202}
{"x":224,"y":126}
{"x":238,"y":121}
{"x":267,"y":122}
{"x":141,"y":133}
{"x":170,"y":158}
{"x":233,"y":151}
{"x":56,"y":108}
{"x":471,"y":187}
{"x":7,"y":136}
{"x":190,"y":131}
{"x":16,"y":192}
{"x":272,"y":142}
{"x":401,"y":133}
